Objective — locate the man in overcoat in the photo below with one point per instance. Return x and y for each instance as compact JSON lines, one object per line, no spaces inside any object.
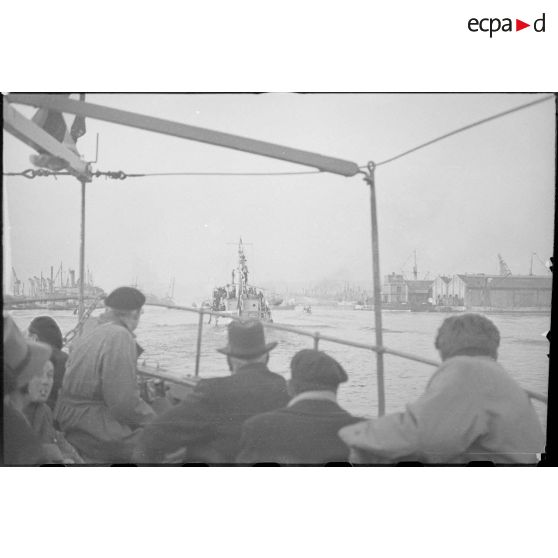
{"x":305,"y":431}
{"x":99,"y":407}
{"x":471,"y":410}
{"x":206,"y":426}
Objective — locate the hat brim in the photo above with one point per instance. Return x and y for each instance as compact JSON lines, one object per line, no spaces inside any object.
{"x":260,"y":351}
{"x":39,"y":356}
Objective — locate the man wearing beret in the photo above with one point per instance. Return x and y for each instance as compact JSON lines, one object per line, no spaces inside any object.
{"x":305,"y":431}
{"x":99,"y":407}
{"x":471,"y":410}
{"x":206,"y":426}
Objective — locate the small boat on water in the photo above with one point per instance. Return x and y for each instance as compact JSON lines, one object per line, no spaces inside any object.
{"x":239,"y":298}
{"x":362,"y":306}
{"x":275,"y":300}
{"x":285,"y":307}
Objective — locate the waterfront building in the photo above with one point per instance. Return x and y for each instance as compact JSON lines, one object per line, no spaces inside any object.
{"x":440,"y":290}
{"x":500,"y":292}
{"x":394,"y":289}
{"x":405,"y":292}
{"x":419,"y":291}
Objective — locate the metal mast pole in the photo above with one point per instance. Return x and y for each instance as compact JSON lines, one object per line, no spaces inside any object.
{"x":81,"y":306}
{"x":369,"y":179}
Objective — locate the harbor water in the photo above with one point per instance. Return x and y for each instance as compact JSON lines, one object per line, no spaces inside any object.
{"x":169,"y":339}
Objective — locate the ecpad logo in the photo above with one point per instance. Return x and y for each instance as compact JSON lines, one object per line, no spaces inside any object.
{"x":492,"y":25}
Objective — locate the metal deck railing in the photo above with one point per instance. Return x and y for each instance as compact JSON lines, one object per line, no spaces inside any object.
{"x":317,"y":337}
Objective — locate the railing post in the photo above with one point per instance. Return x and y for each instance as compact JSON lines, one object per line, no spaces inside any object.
{"x":377,"y":290}
{"x":81,"y":307}
{"x":198,"y":346}
{"x":316,"y":340}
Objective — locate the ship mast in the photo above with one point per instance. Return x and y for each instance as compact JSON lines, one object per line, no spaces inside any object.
{"x":242,"y":269}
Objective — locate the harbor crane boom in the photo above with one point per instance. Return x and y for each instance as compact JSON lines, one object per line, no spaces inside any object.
{"x":504,"y":269}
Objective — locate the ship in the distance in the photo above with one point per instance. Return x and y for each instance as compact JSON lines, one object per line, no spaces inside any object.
{"x":58,"y":291}
{"x":240,"y":298}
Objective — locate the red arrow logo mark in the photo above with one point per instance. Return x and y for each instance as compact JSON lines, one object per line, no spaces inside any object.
{"x":519,"y":25}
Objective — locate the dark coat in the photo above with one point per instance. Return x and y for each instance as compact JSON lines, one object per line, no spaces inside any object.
{"x":304,"y":433}
{"x":22,"y":446}
{"x":57,"y":448}
{"x":208,"y":423}
{"x":58,"y":359}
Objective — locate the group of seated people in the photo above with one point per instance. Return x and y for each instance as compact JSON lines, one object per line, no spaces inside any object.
{"x":471,"y":409}
{"x":33,"y":373}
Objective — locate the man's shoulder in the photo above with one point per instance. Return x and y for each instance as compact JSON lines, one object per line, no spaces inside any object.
{"x":299,"y":415}
{"x":210,"y":384}
{"x":111,"y":333}
{"x":114,"y":328}
{"x":469,"y":368}
{"x":472,"y":374}
{"x":259,"y":376}
{"x":322,"y":412}
{"x":262,"y":374}
{"x":106,"y":331}
{"x":269,"y":419}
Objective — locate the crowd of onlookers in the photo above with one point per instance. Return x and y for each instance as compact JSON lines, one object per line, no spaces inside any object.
{"x":222,"y":294}
{"x":86,"y":407}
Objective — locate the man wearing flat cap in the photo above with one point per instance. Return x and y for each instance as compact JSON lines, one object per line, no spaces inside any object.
{"x":206,"y":426}
{"x":305,"y":431}
{"x":99,"y":407}
{"x":471,"y":410}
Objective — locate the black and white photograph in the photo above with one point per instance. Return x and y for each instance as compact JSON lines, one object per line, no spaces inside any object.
{"x":292,"y":279}
{"x":278,"y":279}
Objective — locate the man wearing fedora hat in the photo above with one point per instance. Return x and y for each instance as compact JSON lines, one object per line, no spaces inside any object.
{"x":24,"y":361}
{"x":99,"y":407}
{"x":305,"y":431}
{"x":208,"y":423}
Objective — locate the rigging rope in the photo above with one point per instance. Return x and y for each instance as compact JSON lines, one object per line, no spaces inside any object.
{"x":462,"y":129}
{"x":121,"y":175}
{"x":223,"y":173}
{"x":33,"y":173}
{"x":79,"y":326}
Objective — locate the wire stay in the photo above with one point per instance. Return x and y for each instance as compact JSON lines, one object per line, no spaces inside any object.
{"x":121,"y":175}
{"x":462,"y":129}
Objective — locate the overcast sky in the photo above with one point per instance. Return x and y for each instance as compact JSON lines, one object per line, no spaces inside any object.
{"x":457,"y":203}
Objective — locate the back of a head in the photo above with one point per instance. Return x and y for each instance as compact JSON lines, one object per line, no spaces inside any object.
{"x":313,"y":370}
{"x":125,"y":299}
{"x":467,"y":334}
{"x":46,"y":329}
{"x":124,"y":304}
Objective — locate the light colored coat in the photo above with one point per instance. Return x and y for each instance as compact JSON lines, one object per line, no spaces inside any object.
{"x":99,"y":407}
{"x":471,"y":410}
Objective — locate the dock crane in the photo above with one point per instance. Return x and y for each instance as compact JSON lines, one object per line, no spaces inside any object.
{"x":16,"y":284}
{"x":504,"y":269}
{"x":490,"y":283}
